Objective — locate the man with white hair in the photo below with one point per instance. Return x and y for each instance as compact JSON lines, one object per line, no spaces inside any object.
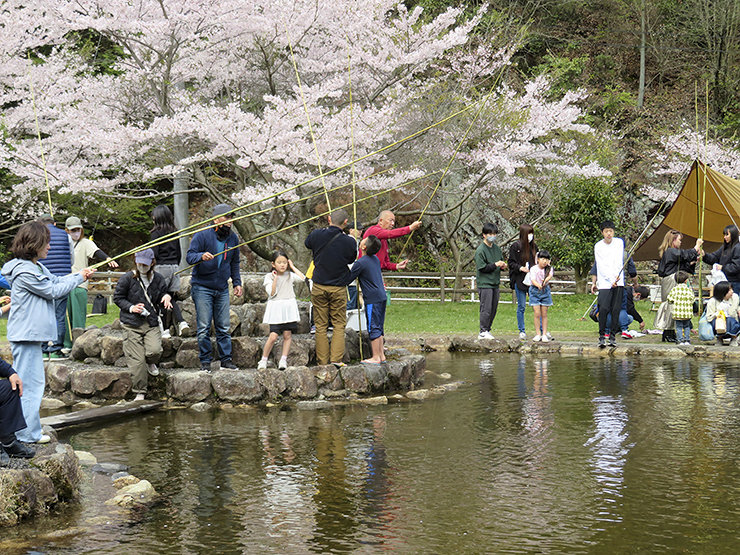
{"x":383,"y":230}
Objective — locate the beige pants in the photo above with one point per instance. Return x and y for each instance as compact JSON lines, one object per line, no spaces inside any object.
{"x":142,"y":346}
{"x":329,"y":302}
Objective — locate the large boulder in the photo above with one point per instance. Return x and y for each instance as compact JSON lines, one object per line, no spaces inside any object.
{"x":188,"y":355}
{"x":111,"y":348}
{"x":245,"y":351}
{"x":87,"y":345}
{"x":108,"y":383}
{"x":237,"y":385}
{"x":189,"y":387}
{"x":302,"y":350}
{"x":328,"y":376}
{"x":377,"y":376}
{"x":273,"y":380}
{"x":57,"y":377}
{"x":301,"y":382}
{"x":354,"y":378}
{"x":254,"y":291}
{"x":60,"y":464}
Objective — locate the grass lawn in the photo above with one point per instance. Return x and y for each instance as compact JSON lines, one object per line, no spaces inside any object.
{"x":448,"y":318}
{"x":98,"y":319}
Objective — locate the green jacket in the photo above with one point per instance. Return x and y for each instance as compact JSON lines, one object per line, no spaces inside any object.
{"x":485,"y":256}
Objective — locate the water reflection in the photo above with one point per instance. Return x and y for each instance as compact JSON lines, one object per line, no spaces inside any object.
{"x":534,"y":455}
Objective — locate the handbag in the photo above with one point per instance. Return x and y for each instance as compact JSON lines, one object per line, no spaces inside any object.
{"x":594,"y":312}
{"x":664,"y":317}
{"x":720,"y":324}
{"x":528,"y":279}
{"x":706,"y":333}
{"x":99,"y":305}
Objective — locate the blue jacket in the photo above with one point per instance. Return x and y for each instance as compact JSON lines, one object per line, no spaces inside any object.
{"x":367,"y":269}
{"x":209,"y":273}
{"x":6,"y":370}
{"x":33,"y":290}
{"x":60,"y":258}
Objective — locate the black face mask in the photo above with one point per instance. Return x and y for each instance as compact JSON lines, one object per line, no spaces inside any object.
{"x":223,"y":232}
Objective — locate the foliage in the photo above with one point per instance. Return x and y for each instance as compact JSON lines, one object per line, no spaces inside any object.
{"x":580,"y":205}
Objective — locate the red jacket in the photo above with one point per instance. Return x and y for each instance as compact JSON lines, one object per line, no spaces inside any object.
{"x":384,"y":235}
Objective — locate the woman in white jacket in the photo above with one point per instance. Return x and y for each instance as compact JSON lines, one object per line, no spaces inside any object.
{"x":724,"y":299}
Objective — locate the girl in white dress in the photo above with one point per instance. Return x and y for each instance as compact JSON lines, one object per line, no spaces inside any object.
{"x":282,"y":309}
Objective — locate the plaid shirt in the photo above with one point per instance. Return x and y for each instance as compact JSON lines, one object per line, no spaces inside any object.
{"x":682,"y":298}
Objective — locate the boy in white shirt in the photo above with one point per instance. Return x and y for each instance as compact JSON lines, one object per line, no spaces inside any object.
{"x":609,"y":256}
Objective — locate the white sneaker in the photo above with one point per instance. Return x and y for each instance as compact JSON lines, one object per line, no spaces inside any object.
{"x":44,"y":439}
{"x":549,"y":336}
{"x":544,"y":339}
{"x":262,"y":365}
{"x":139,"y":397}
{"x":522,"y":336}
{"x":183,"y":326}
{"x":166,"y":334}
{"x":283,"y":364}
{"x":153,"y":370}
{"x":536,"y":338}
{"x":485,"y":335}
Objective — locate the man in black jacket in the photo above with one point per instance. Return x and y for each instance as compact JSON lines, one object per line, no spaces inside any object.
{"x":333,"y":251}
{"x":11,"y":416}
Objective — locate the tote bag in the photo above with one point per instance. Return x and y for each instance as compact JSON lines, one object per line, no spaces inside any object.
{"x":664,"y":317}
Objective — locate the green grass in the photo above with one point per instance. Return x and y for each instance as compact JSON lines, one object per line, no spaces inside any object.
{"x":98,"y":319}
{"x":462,"y":318}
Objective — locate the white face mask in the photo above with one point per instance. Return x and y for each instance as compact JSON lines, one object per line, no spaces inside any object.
{"x":75,"y":235}
{"x":143,"y":268}
{"x":530,"y":237}
{"x":491,"y":238}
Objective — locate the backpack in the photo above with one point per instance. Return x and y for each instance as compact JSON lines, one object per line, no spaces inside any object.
{"x":100,"y":305}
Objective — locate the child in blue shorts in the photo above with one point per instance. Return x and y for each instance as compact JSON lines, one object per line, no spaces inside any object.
{"x":539,"y":294}
{"x":367,"y":269}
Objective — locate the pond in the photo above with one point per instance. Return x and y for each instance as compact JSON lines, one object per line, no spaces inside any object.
{"x":531,"y":455}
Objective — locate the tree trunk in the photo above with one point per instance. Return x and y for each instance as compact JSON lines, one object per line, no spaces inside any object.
{"x":581,"y":277}
{"x":643,"y":31}
{"x":181,"y":185}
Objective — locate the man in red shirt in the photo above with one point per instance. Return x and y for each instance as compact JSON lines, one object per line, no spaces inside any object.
{"x":383,"y":230}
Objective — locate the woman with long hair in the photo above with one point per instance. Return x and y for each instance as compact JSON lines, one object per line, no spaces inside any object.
{"x":728,"y":257}
{"x":521,"y":259}
{"x":168,"y":256}
{"x":672,"y":259}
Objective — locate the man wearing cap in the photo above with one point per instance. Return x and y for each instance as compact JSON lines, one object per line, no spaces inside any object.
{"x":609,"y":257}
{"x":333,"y":251}
{"x":84,"y":250}
{"x":215,"y":259}
{"x":59,"y":262}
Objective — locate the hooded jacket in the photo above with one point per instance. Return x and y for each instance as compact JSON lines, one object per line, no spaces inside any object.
{"x":33,"y":290}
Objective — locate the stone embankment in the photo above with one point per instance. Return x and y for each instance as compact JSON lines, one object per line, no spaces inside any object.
{"x":624,"y":348}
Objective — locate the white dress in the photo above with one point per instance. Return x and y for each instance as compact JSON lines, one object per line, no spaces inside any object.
{"x":281,"y":307}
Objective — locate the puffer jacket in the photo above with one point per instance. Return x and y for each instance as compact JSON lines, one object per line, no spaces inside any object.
{"x":129,"y":292}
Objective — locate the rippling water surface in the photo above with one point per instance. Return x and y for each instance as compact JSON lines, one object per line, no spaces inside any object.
{"x":531,"y":455}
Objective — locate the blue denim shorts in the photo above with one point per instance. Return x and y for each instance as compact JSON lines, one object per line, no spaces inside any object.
{"x":540,"y":298}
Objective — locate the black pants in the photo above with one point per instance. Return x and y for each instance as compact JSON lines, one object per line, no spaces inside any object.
{"x":11,"y":413}
{"x":610,"y":302}
{"x":488,"y":306}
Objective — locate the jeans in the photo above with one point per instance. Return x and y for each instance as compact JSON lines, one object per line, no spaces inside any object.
{"x":28,"y":361}
{"x":521,"y":305}
{"x":352,"y":297}
{"x":212,"y":304}
{"x":624,"y":321}
{"x":683,"y":330}
{"x":60,"y":312}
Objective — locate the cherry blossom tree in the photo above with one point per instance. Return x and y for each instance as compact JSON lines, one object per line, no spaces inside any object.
{"x":209,"y":90}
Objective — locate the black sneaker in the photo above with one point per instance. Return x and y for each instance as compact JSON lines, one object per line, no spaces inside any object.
{"x":20,"y":450}
{"x":205,"y":367}
{"x":602,"y":342}
{"x":612,"y":340}
{"x":229,"y":364}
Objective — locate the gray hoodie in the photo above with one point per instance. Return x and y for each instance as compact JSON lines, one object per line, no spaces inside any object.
{"x":33,"y":290}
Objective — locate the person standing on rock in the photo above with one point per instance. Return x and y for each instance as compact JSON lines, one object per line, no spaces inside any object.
{"x":11,"y":416}
{"x":383,"y":230}
{"x":168,"y":256}
{"x":32,"y":320}
{"x":521,"y":260}
{"x":332,"y":251}
{"x":85,"y":250}
{"x":609,"y":257}
{"x":59,"y":262}
{"x":215,"y":261}
{"x":488,"y":263}
{"x":139,"y":295}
